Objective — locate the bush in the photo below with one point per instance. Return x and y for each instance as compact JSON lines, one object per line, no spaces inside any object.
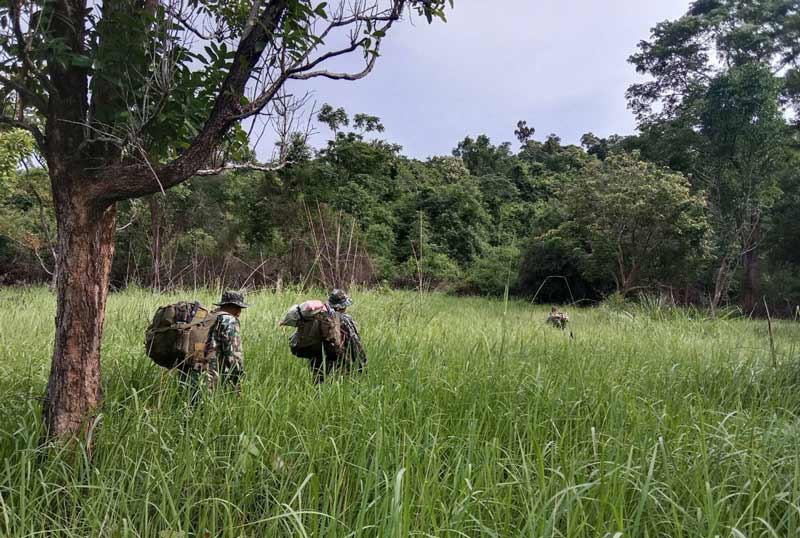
{"x":435,"y":269}
{"x":497,"y":268}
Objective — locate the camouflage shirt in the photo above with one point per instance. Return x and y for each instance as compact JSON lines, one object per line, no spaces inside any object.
{"x":224,"y":350}
{"x":354,"y":353}
{"x":558,"y":319}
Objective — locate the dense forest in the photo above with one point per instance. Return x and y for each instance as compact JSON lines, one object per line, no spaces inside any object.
{"x":699,"y":207}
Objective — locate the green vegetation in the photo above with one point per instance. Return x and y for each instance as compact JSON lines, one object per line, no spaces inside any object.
{"x":700,"y":204}
{"x":475,"y":419}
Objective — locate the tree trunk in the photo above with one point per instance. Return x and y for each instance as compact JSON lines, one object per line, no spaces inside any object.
{"x":720,"y":285}
{"x":627,"y":280}
{"x":86,"y":245}
{"x":750,"y":269}
{"x":750,"y":286}
{"x":155,"y":224}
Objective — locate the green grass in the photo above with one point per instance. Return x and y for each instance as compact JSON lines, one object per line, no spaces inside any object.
{"x":474,"y":420}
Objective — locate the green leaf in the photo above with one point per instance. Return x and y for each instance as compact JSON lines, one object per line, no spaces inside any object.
{"x":80,"y":60}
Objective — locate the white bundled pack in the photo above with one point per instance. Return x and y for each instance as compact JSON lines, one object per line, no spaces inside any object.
{"x":302,"y":312}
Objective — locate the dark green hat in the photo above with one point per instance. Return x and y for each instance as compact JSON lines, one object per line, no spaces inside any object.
{"x":339,"y":299}
{"x":234,"y":298}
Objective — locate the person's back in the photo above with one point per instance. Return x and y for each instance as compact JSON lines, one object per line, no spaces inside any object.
{"x":224,"y":350}
{"x":352,"y":355}
{"x":318,"y":340}
{"x":224,"y":356}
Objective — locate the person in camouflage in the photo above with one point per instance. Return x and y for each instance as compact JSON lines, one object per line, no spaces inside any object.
{"x":352,"y":356}
{"x":223,"y":358}
{"x":318,"y":340}
{"x":558,"y":319}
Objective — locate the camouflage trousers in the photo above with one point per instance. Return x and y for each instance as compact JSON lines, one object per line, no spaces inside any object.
{"x":321,"y":362}
{"x":322,"y":366}
{"x":325,"y":364}
{"x":558,"y":323}
{"x":201,"y":379}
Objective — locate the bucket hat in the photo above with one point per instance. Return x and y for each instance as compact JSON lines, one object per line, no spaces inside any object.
{"x":339,"y":299}
{"x":234,"y":298}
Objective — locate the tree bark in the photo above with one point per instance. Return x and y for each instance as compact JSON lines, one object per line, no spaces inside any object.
{"x":720,"y":285}
{"x":86,"y":244}
{"x":750,"y":286}
{"x":750,"y":265}
{"x":155,"y":224}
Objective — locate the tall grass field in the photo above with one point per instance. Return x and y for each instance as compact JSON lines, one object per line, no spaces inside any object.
{"x":474,"y":419}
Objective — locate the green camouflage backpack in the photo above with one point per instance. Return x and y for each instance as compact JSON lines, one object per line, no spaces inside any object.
{"x":177,"y":335}
{"x":323,"y":329}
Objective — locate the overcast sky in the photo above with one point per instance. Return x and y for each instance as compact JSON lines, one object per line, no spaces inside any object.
{"x":559,"y":64}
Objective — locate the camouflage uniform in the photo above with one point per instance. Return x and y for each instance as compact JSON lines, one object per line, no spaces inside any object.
{"x":330,"y":341}
{"x":353,"y":356}
{"x":223,"y":353}
{"x":558,"y":319}
{"x":222,"y":357}
{"x":319,"y":341}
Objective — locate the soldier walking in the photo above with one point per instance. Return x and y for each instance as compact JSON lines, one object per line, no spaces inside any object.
{"x":558,"y":319}
{"x":329,"y":340}
{"x":318,"y":339}
{"x":353,"y":357}
{"x":223,"y":360}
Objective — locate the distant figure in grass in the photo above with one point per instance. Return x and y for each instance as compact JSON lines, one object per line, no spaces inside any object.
{"x":352,"y":357}
{"x":558,"y":319}
{"x":223,"y":360}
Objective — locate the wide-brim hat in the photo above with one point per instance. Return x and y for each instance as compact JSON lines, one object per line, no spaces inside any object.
{"x":234,"y":298}
{"x":339,"y":299}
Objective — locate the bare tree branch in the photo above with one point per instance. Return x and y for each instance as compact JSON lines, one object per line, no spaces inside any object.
{"x":251,"y":167}
{"x":43,"y":222}
{"x":341,"y":76}
{"x":134,"y":218}
{"x":295,"y":73}
{"x":41,"y":262}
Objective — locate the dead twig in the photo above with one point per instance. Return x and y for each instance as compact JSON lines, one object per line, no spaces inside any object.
{"x":771,"y":337}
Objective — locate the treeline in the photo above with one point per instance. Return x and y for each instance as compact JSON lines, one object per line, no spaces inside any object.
{"x":700,"y":207}
{"x":555,"y":221}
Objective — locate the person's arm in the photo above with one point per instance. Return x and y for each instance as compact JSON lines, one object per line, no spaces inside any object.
{"x":212,"y":355}
{"x":224,"y":348}
{"x":360,"y":352}
{"x":235,"y":356}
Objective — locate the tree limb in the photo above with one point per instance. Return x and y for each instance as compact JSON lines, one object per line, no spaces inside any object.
{"x":340,"y":76}
{"x":189,"y":25}
{"x":133,"y":180}
{"x":327,"y":56}
{"x":252,"y":167}
{"x":41,"y":262}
